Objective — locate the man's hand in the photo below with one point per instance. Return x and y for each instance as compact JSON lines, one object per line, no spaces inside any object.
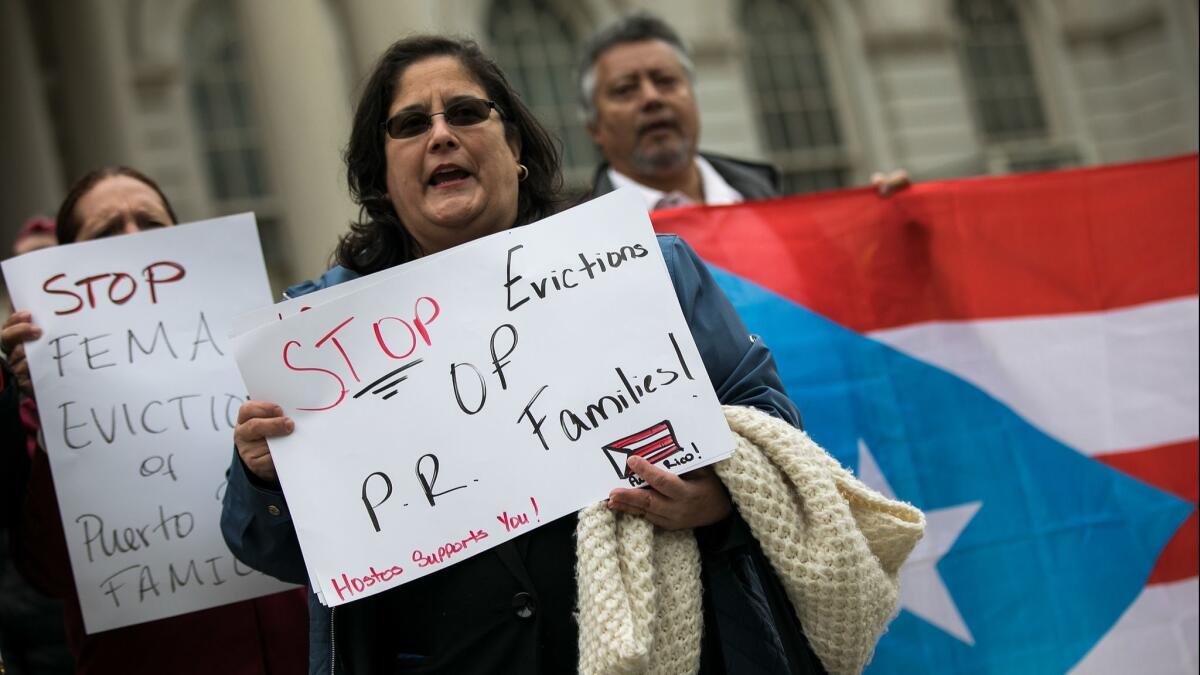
{"x":258,"y":421}
{"x":890,"y":183}
{"x":673,"y":502}
{"x":18,"y":330}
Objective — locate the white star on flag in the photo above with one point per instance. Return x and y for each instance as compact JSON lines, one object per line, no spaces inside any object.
{"x":922,"y":590}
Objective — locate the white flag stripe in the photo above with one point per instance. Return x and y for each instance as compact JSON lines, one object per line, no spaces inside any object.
{"x":1157,"y":634}
{"x":1100,"y":382}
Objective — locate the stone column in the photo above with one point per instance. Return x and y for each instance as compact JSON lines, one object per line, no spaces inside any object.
{"x":95,"y":85}
{"x":304,"y":111}
{"x":375,"y":24}
{"x":1181,"y":20}
{"x":29,"y":165}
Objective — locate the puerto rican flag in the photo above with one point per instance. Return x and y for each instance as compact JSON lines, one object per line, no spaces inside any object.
{"x":1018,"y":357}
{"x":653,"y":444}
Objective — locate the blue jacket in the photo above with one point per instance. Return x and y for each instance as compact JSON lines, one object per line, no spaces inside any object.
{"x":258,"y":528}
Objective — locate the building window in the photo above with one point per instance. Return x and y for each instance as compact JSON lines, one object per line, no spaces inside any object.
{"x":536,"y":46}
{"x":227,"y":129}
{"x":797,"y":113}
{"x":999,"y":70}
{"x":1008,"y":104}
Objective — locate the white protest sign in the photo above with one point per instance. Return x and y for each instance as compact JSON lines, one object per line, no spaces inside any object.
{"x":493,"y":388}
{"x":138,"y":395}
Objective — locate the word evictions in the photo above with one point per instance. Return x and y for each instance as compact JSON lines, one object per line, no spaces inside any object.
{"x":184,"y":412}
{"x":562,"y":280}
{"x":118,"y":287}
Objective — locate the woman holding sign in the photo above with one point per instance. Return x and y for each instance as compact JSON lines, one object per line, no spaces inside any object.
{"x":442,"y":152}
{"x":265,"y":636}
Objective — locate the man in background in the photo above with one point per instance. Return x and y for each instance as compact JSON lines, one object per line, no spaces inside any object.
{"x":636,"y":88}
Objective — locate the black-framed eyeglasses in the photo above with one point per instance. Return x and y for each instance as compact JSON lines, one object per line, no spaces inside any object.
{"x":462,"y":113}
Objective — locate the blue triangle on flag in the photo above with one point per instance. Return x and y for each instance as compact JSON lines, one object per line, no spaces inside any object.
{"x":1061,"y":544}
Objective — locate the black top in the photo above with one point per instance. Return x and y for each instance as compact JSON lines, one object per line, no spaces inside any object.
{"x":494,"y":613}
{"x":487,"y":614}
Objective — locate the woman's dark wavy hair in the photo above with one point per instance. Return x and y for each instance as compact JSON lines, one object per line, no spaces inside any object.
{"x":67,"y":224}
{"x":378,"y":239}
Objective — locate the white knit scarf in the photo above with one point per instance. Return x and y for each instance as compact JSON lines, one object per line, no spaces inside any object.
{"x":836,"y":545}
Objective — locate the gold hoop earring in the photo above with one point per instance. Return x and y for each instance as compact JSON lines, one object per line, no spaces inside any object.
{"x":522,"y":172}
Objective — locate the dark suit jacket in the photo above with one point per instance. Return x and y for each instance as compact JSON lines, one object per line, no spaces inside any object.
{"x":753,"y":180}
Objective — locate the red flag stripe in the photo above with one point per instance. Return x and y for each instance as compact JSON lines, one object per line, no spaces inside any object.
{"x":1049,"y":243}
{"x":1174,"y":468}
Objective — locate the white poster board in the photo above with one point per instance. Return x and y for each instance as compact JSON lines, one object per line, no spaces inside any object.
{"x":138,"y":395}
{"x":465,"y":400}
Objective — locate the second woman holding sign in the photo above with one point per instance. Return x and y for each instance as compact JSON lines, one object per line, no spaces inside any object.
{"x":442,"y":152}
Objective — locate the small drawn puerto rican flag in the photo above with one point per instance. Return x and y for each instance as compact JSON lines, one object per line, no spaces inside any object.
{"x":654,"y":444}
{"x":1017,"y":357}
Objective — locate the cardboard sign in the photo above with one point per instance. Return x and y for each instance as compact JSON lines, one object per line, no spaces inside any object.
{"x":138,"y":395}
{"x":465,"y":400}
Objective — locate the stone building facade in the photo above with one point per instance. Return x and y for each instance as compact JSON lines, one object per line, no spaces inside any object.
{"x":237,"y":105}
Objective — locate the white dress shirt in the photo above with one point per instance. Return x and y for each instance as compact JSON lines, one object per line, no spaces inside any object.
{"x":716,"y":190}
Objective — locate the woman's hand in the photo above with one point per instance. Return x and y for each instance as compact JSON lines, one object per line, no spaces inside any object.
{"x":673,"y":502}
{"x":258,"y":421}
{"x":18,"y":330}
